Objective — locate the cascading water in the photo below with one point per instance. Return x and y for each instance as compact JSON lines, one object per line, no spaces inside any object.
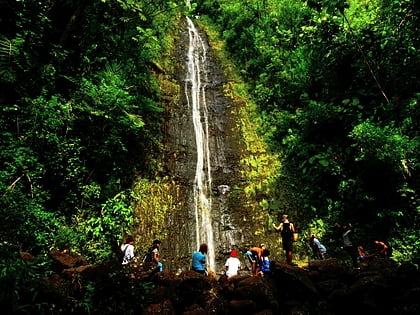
{"x":195,"y":91}
{"x":203,"y":153}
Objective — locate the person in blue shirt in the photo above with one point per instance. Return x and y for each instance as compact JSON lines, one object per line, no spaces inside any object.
{"x":199,"y":260}
{"x":265,"y":263}
{"x":319,"y":250}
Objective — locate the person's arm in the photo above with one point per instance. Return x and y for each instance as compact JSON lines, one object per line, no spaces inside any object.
{"x":292,"y":227}
{"x":155,"y":256}
{"x":383,"y":248}
{"x":278,"y":228}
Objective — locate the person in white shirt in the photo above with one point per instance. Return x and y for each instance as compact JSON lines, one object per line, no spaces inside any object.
{"x":319,"y":250}
{"x":128,"y":250}
{"x":233,"y":264}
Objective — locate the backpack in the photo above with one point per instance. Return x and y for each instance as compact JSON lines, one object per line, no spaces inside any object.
{"x":286,"y":231}
{"x":148,"y":257}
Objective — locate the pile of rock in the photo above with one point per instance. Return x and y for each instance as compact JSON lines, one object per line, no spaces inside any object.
{"x":320,"y":287}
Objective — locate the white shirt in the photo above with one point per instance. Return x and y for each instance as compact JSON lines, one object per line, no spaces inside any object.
{"x":233,"y":265}
{"x":128,"y":253}
{"x":318,"y":244}
{"x":346,"y":238}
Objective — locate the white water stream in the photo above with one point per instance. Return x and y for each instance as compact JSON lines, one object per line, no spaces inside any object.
{"x":195,"y":87}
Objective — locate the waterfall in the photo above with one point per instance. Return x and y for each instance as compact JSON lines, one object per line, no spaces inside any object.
{"x":195,"y":91}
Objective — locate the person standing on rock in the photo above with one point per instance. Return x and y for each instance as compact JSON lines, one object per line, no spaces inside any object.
{"x":286,"y":229}
{"x":233,"y":264}
{"x":348,"y":244}
{"x":128,"y":251}
{"x":199,"y":260}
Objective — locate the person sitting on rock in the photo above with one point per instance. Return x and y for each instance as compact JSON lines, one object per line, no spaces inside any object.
{"x":233,"y":264}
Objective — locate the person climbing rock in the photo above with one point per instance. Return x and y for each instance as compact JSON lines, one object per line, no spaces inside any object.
{"x":254,"y":255}
{"x":319,"y":250}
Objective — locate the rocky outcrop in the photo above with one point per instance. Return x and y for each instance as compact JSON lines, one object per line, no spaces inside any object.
{"x":320,"y":287}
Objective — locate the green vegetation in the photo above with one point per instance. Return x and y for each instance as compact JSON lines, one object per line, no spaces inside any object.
{"x":334,"y":85}
{"x":80,"y":120}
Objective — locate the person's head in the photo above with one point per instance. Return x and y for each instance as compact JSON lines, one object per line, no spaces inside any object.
{"x":262,"y":246}
{"x":285,"y":217}
{"x":129,"y":240}
{"x":156,"y":243}
{"x":311,"y":240}
{"x":203,"y":248}
{"x":266,"y":253}
{"x":234,"y":253}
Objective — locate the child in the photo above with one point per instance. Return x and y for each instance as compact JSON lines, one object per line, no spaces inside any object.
{"x":233,"y":264}
{"x":265,"y":263}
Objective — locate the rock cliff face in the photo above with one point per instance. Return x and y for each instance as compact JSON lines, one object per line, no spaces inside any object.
{"x":182,"y":160}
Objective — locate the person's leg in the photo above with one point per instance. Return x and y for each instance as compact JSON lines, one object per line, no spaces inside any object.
{"x":289,"y":256}
{"x":353,"y":255}
{"x":252,"y":261}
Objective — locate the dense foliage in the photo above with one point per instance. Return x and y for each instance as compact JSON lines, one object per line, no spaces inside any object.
{"x":336,"y":87}
{"x":336,"y":84}
{"x":80,"y":119}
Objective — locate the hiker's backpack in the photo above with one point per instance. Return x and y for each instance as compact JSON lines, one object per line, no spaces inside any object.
{"x":148,"y":257}
{"x":286,"y":231}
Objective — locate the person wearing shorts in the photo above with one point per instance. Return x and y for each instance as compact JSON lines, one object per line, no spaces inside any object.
{"x":254,"y":255}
